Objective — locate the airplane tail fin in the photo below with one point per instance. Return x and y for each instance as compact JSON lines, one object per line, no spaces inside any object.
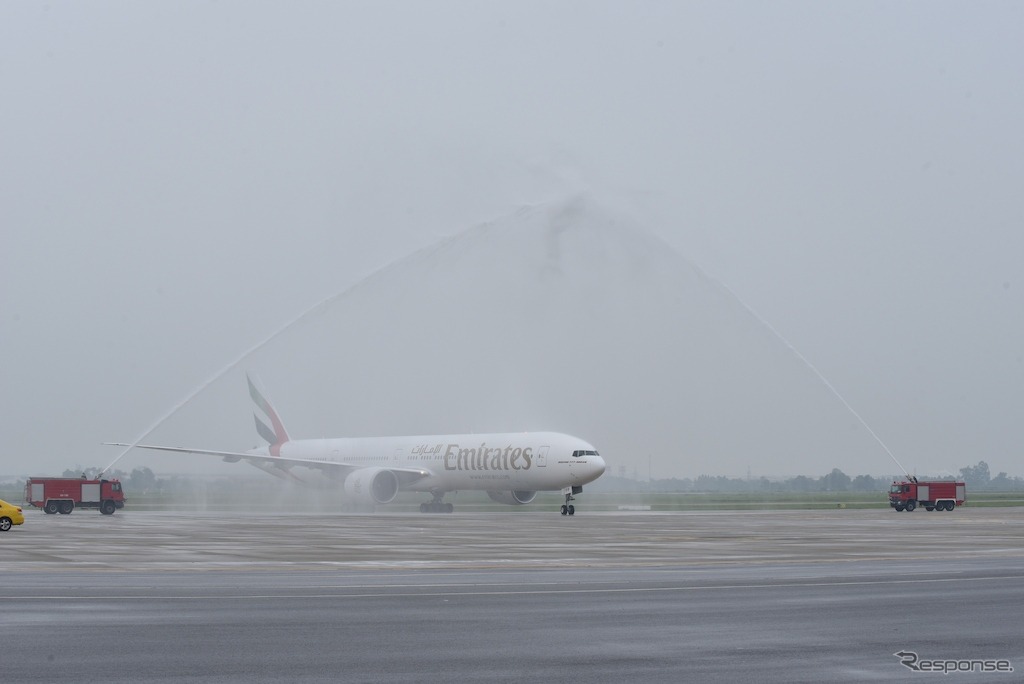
{"x":278,"y":435}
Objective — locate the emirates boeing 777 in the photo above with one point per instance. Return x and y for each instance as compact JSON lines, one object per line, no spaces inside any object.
{"x":510,"y":467}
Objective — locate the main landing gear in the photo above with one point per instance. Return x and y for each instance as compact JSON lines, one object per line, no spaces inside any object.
{"x":568,"y":508}
{"x":437,"y":505}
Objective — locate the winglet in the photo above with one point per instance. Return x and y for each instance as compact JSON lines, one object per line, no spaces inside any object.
{"x":276,"y":436}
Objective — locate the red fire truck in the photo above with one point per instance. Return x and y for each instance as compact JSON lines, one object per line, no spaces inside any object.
{"x":934,"y":495}
{"x":64,"y":494}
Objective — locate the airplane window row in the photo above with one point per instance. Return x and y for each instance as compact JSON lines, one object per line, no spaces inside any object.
{"x":580,"y":452}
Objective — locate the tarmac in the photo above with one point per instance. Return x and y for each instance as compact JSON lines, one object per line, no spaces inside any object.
{"x":767,"y":596}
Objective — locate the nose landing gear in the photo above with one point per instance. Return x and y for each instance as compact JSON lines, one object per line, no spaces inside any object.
{"x":568,"y":508}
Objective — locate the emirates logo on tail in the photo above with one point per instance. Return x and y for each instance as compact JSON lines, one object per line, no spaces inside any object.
{"x":278,"y":435}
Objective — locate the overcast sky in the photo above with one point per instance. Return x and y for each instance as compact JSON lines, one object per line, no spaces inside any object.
{"x":180,"y":179}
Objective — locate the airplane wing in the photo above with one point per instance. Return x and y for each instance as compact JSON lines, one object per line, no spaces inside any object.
{"x":283,"y":464}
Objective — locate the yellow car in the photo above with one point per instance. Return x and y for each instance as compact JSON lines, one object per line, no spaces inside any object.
{"x":10,"y":515}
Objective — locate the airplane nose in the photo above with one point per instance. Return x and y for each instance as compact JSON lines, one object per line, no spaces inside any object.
{"x":599,"y":467}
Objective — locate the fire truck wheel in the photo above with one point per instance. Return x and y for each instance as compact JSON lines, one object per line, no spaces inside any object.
{"x":108,"y":507}
{"x":51,"y":507}
{"x":66,"y":507}
{"x":930,"y":508}
{"x":911,"y":505}
{"x":899,"y":508}
{"x":5,"y":524}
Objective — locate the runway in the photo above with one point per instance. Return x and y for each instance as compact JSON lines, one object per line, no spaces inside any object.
{"x":726,"y":596}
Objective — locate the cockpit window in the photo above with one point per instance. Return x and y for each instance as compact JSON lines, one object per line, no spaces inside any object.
{"x":582,"y":452}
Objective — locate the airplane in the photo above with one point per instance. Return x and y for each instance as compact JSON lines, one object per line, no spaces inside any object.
{"x":510,"y":467}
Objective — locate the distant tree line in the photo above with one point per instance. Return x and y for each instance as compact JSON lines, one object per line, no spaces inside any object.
{"x":141,"y":481}
{"x":978,"y":478}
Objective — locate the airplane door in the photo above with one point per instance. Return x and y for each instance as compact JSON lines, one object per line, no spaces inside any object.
{"x":398,"y":455}
{"x":542,"y":456}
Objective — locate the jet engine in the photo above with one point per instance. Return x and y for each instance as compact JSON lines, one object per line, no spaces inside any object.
{"x":371,"y":486}
{"x":516,"y":497}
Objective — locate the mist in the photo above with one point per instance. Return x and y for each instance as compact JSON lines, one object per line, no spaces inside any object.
{"x":518,"y":216}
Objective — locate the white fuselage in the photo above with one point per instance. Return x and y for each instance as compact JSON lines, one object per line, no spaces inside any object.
{"x":535,"y":461}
